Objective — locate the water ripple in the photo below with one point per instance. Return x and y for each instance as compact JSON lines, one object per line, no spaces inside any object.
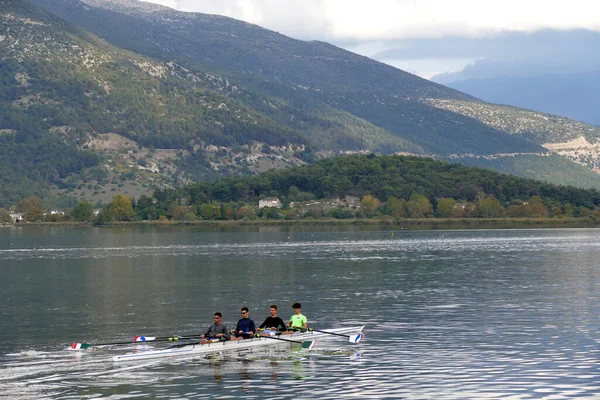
{"x":449,"y":315}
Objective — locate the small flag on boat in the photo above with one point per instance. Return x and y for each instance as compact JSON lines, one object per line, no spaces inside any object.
{"x":81,"y":346}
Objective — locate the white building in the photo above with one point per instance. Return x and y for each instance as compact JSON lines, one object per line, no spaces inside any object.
{"x":270,"y":202}
{"x":16,"y":217}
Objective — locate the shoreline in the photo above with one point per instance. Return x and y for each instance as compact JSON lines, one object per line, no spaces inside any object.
{"x":387,"y":223}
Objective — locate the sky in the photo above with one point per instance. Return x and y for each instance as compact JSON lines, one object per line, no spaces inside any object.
{"x":432,"y":37}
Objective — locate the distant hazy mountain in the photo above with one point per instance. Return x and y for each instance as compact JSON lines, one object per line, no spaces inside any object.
{"x":551,"y":71}
{"x":576,"y":96}
{"x":154,"y":96}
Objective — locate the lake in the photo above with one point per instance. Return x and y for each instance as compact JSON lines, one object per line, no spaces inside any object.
{"x":448,"y":314}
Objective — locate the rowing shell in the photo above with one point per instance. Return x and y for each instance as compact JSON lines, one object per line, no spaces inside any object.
{"x":229,"y":345}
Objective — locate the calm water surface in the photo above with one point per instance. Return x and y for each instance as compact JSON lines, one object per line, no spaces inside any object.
{"x":448,"y":314}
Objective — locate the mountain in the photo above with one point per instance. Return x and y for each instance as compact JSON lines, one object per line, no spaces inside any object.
{"x":573,"y":95}
{"x":137,"y":95}
{"x":65,"y":92}
{"x":549,"y":71}
{"x":292,"y":71}
{"x":68,"y":96}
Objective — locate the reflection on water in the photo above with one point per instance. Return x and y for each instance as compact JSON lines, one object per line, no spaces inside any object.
{"x":449,"y":314}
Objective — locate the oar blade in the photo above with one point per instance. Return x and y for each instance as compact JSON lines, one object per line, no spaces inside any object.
{"x":144,"y":338}
{"x":355,"y":338}
{"x":309,"y":344}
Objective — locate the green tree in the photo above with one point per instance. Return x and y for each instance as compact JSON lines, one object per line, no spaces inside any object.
{"x":556,"y":212}
{"x":271,"y":212}
{"x":418,"y":206}
{"x":537,"y":207}
{"x":446,"y":207}
{"x":208,"y":211}
{"x":82,"y":211}
{"x":229,"y":212}
{"x":490,"y":207}
{"x":176,"y":211}
{"x":121,"y":208}
{"x":341,"y":213}
{"x":396,"y":206}
{"x":5,"y":216}
{"x":305,"y":196}
{"x":516,"y":210}
{"x":247,"y":212}
{"x":222,"y":212}
{"x":105,"y":216}
{"x":568,"y":210}
{"x":32,"y":208}
{"x":291,"y":213}
{"x":188,"y":215}
{"x":581,"y":212}
{"x":369,"y":206}
{"x":293,"y":192}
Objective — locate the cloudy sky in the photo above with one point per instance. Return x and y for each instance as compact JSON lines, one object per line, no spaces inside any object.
{"x":431,"y":37}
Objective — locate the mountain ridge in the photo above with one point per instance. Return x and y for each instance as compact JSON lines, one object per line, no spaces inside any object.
{"x":376,"y":92}
{"x":160,"y":120}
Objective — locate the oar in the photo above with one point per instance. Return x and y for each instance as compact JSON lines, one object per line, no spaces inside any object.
{"x":351,"y":338}
{"x":163,"y":338}
{"x":81,"y":346}
{"x":307,"y":344}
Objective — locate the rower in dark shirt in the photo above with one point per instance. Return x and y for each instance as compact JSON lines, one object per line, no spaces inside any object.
{"x":245,"y":327}
{"x":273,"y":322}
{"x":217,"y":331}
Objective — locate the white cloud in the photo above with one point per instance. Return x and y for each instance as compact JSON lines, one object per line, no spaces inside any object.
{"x":298,"y":19}
{"x":401,"y":19}
{"x":371,"y":27}
{"x":430,"y":67}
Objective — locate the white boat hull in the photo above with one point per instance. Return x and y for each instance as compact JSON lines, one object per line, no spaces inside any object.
{"x":232,"y":345}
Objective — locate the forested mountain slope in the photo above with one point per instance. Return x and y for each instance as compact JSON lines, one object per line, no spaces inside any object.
{"x":162,"y":98}
{"x":301,"y":73}
{"x":65,"y":91}
{"x":267,"y":58}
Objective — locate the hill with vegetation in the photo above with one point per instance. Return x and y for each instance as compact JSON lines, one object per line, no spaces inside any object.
{"x":129,"y":96}
{"x":367,"y":186}
{"x":348,"y":187}
{"x":294,"y":73}
{"x":317,"y":72}
{"x":385,"y":176}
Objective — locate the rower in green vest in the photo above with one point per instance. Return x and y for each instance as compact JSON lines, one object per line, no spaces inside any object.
{"x":297,"y":321}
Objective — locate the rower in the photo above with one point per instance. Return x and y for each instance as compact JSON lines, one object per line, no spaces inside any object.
{"x":297,"y":322}
{"x":245,"y":327}
{"x":217,"y":331}
{"x":273,"y":323}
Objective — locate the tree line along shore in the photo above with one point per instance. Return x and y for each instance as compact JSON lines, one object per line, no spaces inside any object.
{"x":363,"y":189}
